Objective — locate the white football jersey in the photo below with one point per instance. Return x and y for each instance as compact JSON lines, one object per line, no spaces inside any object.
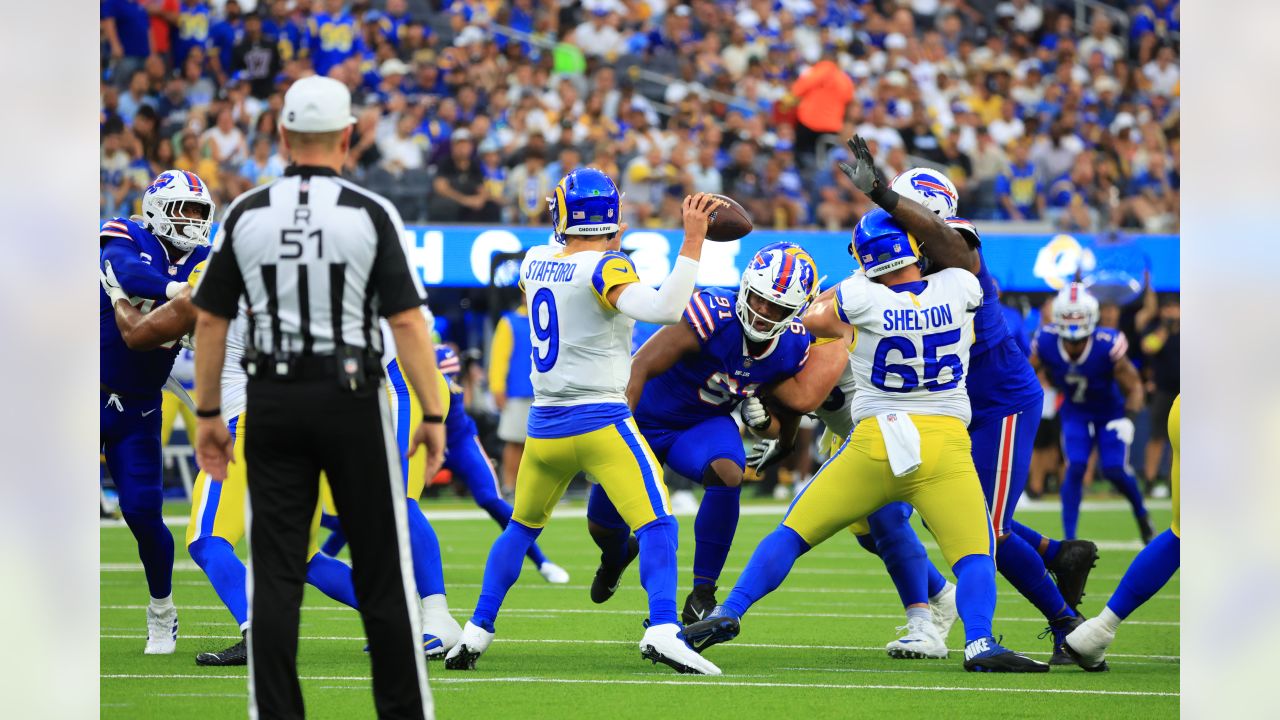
{"x":581,"y":343}
{"x":835,"y":411}
{"x":911,"y":347}
{"x":234,"y":380}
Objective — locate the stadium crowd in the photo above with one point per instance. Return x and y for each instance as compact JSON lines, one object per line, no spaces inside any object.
{"x":469,"y":111}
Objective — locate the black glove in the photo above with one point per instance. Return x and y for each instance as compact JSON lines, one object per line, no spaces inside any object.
{"x":866,"y":176}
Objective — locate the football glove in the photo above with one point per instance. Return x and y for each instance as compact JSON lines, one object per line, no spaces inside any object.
{"x":863,"y":172}
{"x":765,"y":454}
{"x":110,"y":285}
{"x":754,"y":413}
{"x":1123,"y":428}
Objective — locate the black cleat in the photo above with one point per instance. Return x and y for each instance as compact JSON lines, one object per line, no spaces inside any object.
{"x":987,"y":655}
{"x":1059,"y":629}
{"x":1071,"y":568}
{"x":1144,"y":529}
{"x":465,"y":659}
{"x":237,"y":654}
{"x":607,"y":578}
{"x":699,"y":604}
{"x":713,"y":630}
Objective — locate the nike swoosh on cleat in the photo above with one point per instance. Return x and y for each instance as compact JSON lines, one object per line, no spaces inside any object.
{"x":148,"y":412}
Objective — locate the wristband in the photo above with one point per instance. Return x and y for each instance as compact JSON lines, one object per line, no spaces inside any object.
{"x":215,"y":412}
{"x":433,"y":419}
{"x":886,"y":198}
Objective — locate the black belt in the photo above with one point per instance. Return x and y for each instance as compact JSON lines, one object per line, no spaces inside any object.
{"x":290,"y":368}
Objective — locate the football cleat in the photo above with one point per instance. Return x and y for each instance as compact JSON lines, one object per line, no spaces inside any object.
{"x":474,"y":641}
{"x":440,"y":632}
{"x":1144,"y":529}
{"x":1070,"y":569}
{"x":1059,"y":629}
{"x":987,"y":655}
{"x":1088,"y":644}
{"x":607,"y":578}
{"x":553,"y":573}
{"x":943,"y":607}
{"x":666,"y":644}
{"x":712,"y":630}
{"x":237,"y":654}
{"x":921,"y":642}
{"x":699,"y":604}
{"x":162,"y":630}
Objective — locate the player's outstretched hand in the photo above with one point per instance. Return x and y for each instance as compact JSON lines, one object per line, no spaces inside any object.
{"x":430,"y":435}
{"x":215,"y":448}
{"x":697,"y":211}
{"x":863,"y":172}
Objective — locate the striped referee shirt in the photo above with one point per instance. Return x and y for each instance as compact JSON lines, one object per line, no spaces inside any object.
{"x":317,"y":257}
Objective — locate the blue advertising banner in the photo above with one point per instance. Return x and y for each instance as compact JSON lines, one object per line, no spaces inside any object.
{"x":462,"y":256}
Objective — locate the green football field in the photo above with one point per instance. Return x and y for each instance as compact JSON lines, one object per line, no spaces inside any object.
{"x":813,"y":649}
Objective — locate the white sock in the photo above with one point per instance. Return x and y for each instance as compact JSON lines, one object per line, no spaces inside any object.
{"x":919,"y":613}
{"x":948,"y":585}
{"x":1109,"y":620}
{"x":435,"y":603}
{"x":163,"y":603}
{"x":244,"y":626}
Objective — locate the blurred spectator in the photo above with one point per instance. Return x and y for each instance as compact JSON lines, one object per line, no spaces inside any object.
{"x":256,"y":59}
{"x":262,"y":166}
{"x":401,"y":149}
{"x":510,"y":354}
{"x":1008,"y":127}
{"x":460,"y":194}
{"x":1069,"y":204}
{"x":528,"y":187}
{"x":823,"y":91}
{"x":1100,"y":39}
{"x":126,"y":29}
{"x":705,"y":175}
{"x":225,"y":142}
{"x":1162,"y":72}
{"x":1161,"y":348}
{"x":1018,"y":190}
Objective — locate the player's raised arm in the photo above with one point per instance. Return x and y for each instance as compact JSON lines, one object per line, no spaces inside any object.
{"x":667,"y":303}
{"x":943,"y":244}
{"x":657,"y":355}
{"x":824,"y":318}
{"x":804,"y":392}
{"x":135,"y":277}
{"x":164,"y":324}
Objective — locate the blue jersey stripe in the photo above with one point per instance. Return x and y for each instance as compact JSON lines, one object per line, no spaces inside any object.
{"x":646,"y":468}
{"x":210,"y":514}
{"x":401,"y":389}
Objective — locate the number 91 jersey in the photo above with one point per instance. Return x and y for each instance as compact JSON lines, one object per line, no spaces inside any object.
{"x":581,"y":343}
{"x":911,"y":343}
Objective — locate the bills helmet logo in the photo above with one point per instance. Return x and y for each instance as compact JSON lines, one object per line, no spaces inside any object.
{"x":930,"y":186}
{"x":161,"y":181}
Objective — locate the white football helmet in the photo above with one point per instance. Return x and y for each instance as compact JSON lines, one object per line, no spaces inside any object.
{"x":166,"y":206}
{"x":1075,"y":312}
{"x":781,"y":274}
{"x":930,"y":188}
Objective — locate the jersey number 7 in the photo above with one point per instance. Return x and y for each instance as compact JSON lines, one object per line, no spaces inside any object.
{"x":881,"y":368}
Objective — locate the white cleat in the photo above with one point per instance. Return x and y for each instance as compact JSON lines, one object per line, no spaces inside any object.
{"x":943,"y":607}
{"x":440,"y":632}
{"x":553,"y":573}
{"x":921,"y":642}
{"x":162,"y":630}
{"x":666,"y":644}
{"x":1088,"y":643}
{"x":474,"y":641}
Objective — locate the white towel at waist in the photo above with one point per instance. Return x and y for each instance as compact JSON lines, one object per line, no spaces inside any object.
{"x":901,"y":442}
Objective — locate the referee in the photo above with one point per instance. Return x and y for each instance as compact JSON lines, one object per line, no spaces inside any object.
{"x":316,"y":258}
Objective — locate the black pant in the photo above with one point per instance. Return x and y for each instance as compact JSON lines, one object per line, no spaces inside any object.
{"x":299,"y":428}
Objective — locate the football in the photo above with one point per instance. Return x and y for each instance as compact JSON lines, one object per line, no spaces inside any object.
{"x":729,"y":221}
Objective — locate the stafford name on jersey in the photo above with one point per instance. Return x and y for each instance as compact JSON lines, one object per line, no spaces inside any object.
{"x":549,"y":271}
{"x":917,"y":319}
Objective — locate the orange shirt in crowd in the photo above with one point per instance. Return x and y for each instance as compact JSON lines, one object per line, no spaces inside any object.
{"x":824,"y":91}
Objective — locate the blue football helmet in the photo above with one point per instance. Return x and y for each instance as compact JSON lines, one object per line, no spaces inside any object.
{"x":586,"y":202}
{"x":781,"y":274}
{"x":881,"y":245}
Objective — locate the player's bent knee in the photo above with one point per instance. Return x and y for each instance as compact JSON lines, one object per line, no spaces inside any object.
{"x":203,"y":549}
{"x":722,"y":472}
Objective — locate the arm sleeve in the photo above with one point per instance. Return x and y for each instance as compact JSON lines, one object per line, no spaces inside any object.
{"x":666,"y":304}
{"x":500,"y":356}
{"x":221,"y":284}
{"x":392,"y":278}
{"x":614,"y":269}
{"x":137,"y":278}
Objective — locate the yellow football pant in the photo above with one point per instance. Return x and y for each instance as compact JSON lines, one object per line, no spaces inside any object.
{"x":857,"y":481}
{"x":1175,"y":440}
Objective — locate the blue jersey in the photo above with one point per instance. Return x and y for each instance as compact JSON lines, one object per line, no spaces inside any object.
{"x":713,"y":381}
{"x":1088,"y":383}
{"x":1001,"y":381}
{"x":457,"y":424}
{"x":193,"y":31}
{"x":142,"y":265}
{"x":334,"y":38}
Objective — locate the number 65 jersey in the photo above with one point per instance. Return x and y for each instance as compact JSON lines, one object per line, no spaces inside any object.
{"x":911,"y":343}
{"x":581,"y":343}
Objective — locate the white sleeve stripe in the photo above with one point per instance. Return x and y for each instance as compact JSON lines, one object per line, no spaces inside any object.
{"x":693,"y":320}
{"x":1120,"y":348}
{"x":126,"y":236}
{"x":702,"y":309}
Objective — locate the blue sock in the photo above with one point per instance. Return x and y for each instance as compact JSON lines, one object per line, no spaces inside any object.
{"x":1035,"y":540}
{"x":713,"y":530}
{"x":975,"y":595}
{"x":768,"y":567}
{"x":608,"y":529}
{"x":501,"y":571}
{"x":500,"y":511}
{"x":334,"y":543}
{"x":1023,"y":567}
{"x":1127,"y":484}
{"x":155,"y":549}
{"x":428,"y":570}
{"x":658,"y":542}
{"x":937,"y":580}
{"x":1150,"y":570}
{"x":333,"y":578}
{"x":903,"y":554}
{"x":226,"y":573}
{"x":1072,"y":488}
